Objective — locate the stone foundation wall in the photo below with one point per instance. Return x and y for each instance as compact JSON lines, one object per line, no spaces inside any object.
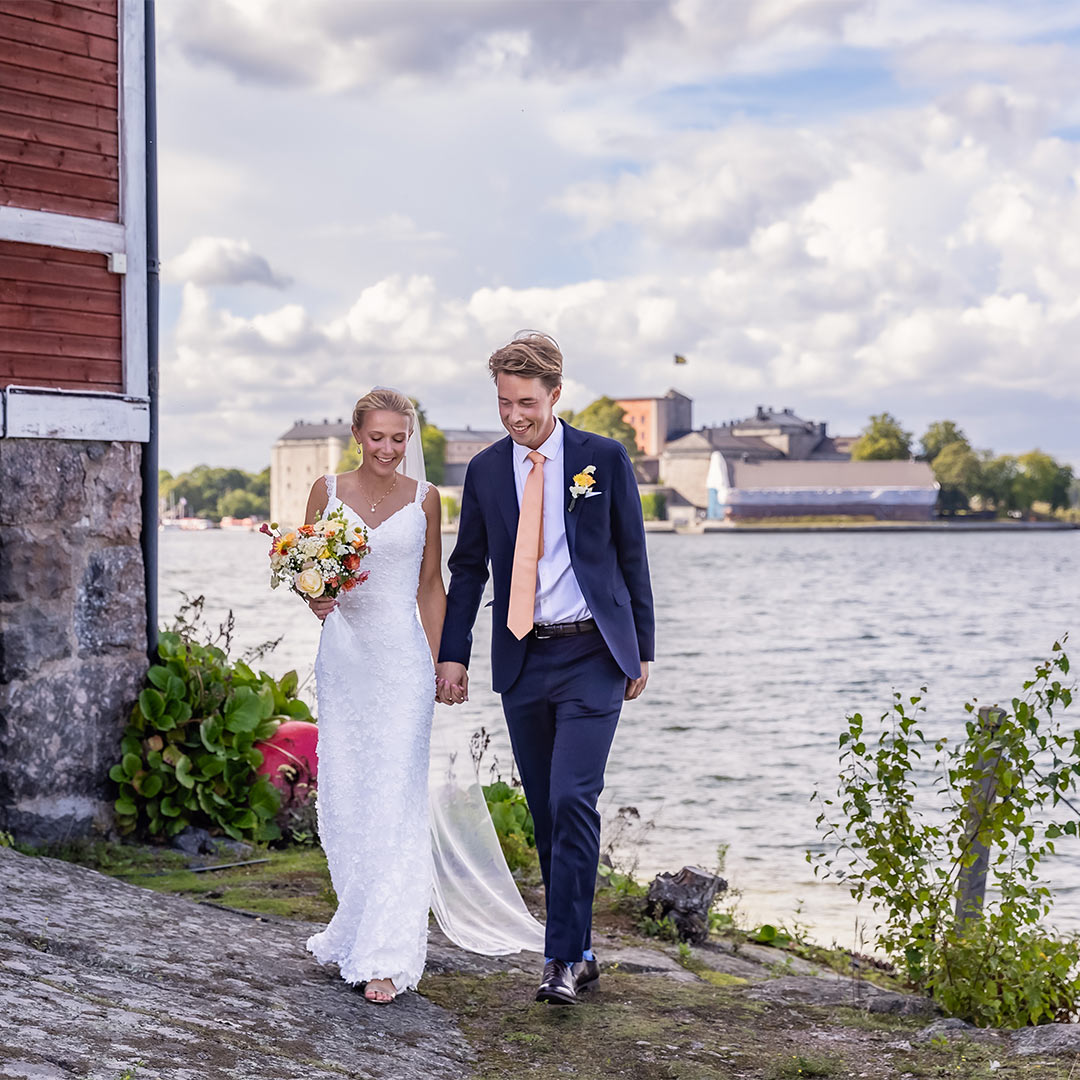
{"x":72,"y":629}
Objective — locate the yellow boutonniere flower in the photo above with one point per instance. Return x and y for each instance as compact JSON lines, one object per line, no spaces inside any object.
{"x":581,"y":484}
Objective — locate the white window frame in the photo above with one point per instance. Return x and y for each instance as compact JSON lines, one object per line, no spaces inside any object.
{"x":44,"y":413}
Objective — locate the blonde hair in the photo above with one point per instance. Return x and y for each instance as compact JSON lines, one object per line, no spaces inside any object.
{"x":531,"y":355}
{"x":382,"y":397}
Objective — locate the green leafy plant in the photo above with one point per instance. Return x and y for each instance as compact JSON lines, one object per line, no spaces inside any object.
{"x":767,"y":934}
{"x":620,"y":885}
{"x":189,"y":755}
{"x":451,"y":509}
{"x":654,"y":506}
{"x":664,"y":928}
{"x":513,"y":823}
{"x":1001,"y":966}
{"x":299,"y":821}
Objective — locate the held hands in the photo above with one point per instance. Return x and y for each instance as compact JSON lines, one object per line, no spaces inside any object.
{"x":634,"y":687}
{"x":451,"y":683}
{"x":322,"y":607}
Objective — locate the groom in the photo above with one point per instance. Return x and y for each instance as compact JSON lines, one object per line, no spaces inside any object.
{"x":557,"y":515}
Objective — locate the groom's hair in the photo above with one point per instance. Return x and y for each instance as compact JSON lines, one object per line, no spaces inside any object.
{"x":531,"y":355}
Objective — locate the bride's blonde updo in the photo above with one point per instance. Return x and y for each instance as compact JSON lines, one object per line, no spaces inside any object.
{"x":382,"y":397}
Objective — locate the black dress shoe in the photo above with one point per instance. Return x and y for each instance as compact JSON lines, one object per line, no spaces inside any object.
{"x":586,"y":974}
{"x":557,"y":985}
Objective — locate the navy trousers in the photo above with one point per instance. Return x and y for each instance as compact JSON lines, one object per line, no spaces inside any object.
{"x":561,"y":712}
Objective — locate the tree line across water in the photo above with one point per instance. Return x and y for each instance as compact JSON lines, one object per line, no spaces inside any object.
{"x":970,"y":478}
{"x":214,"y":493}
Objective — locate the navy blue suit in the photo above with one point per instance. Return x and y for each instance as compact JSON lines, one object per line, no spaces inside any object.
{"x":561,"y":696}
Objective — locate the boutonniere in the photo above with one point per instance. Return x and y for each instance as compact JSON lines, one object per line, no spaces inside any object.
{"x":582,"y":485}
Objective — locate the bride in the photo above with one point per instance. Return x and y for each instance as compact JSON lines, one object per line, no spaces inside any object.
{"x":392,"y":856}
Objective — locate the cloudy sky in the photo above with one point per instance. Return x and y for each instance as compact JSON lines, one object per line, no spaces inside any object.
{"x":841,"y":206}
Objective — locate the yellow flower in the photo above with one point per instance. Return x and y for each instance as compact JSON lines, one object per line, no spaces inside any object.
{"x":584,"y":480}
{"x":325,"y":553}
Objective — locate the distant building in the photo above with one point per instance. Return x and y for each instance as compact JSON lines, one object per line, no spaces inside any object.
{"x":656,"y":421}
{"x":462,"y":445}
{"x":310,"y":450}
{"x":885,"y":490}
{"x":768,"y":435}
{"x":303,"y":454}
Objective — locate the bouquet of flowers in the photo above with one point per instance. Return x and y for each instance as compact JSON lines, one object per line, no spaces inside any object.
{"x":317,"y":560}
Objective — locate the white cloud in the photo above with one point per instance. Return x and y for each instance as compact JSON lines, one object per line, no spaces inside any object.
{"x":219,"y":260}
{"x":338,"y":44}
{"x":715,"y":193}
{"x":511,"y":165}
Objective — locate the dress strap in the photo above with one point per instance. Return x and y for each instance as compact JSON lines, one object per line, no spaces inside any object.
{"x":421,"y":490}
{"x":331,"y":487}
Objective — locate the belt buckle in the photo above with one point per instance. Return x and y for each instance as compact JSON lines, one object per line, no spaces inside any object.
{"x":543,"y":631}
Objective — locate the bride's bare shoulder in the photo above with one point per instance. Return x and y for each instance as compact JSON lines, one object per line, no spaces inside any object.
{"x":318,"y":498}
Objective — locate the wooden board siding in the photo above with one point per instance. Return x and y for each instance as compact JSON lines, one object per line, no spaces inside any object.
{"x":59,"y":319}
{"x":59,"y":107}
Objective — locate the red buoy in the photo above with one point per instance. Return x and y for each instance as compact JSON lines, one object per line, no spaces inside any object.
{"x":291,"y":760}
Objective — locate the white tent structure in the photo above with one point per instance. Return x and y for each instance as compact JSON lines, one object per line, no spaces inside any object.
{"x":886,"y":490}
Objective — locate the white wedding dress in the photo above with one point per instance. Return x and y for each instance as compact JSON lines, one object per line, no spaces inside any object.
{"x":392,"y":850}
{"x":376,"y":696}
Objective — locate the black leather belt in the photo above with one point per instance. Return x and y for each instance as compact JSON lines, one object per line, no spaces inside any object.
{"x":543,"y":631}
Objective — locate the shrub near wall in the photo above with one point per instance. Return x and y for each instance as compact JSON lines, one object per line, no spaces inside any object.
{"x":189,"y":753}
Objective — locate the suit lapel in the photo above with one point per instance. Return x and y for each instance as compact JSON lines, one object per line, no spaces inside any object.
{"x":574,"y":451}
{"x":506,"y":487}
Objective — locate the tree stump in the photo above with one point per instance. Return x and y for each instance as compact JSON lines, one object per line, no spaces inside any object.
{"x":686,"y":898}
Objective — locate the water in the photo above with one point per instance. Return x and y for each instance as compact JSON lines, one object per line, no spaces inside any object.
{"x":765,"y":643}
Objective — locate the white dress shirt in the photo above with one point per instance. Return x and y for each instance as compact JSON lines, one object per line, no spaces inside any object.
{"x":558,"y":594}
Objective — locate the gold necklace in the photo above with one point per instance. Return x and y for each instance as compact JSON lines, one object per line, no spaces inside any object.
{"x":375,"y":504}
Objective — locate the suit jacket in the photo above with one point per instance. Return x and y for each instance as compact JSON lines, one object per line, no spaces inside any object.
{"x":606,"y":537}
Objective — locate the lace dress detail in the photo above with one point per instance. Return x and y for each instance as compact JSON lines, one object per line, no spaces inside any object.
{"x":376,"y":697}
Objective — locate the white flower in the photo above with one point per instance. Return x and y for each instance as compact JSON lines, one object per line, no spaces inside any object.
{"x":310,"y":583}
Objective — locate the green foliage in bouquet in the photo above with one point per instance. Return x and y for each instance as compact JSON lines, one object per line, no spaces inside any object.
{"x":189,"y":755}
{"x":901,"y":836}
{"x":513,"y":824}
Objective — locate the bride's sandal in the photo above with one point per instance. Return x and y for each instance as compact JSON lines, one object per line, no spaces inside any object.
{"x":380,"y":991}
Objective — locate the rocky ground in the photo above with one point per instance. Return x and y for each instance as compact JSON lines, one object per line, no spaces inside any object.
{"x":104,"y":979}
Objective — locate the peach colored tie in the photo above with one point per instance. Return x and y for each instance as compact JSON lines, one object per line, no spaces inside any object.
{"x":528,"y":549}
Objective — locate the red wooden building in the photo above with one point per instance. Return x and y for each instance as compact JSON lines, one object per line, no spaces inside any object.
{"x":73,"y":296}
{"x":78,"y":468}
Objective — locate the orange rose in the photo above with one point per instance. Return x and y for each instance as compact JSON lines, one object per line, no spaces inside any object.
{"x":350,"y":584}
{"x":306,"y":530}
{"x":351,"y":562}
